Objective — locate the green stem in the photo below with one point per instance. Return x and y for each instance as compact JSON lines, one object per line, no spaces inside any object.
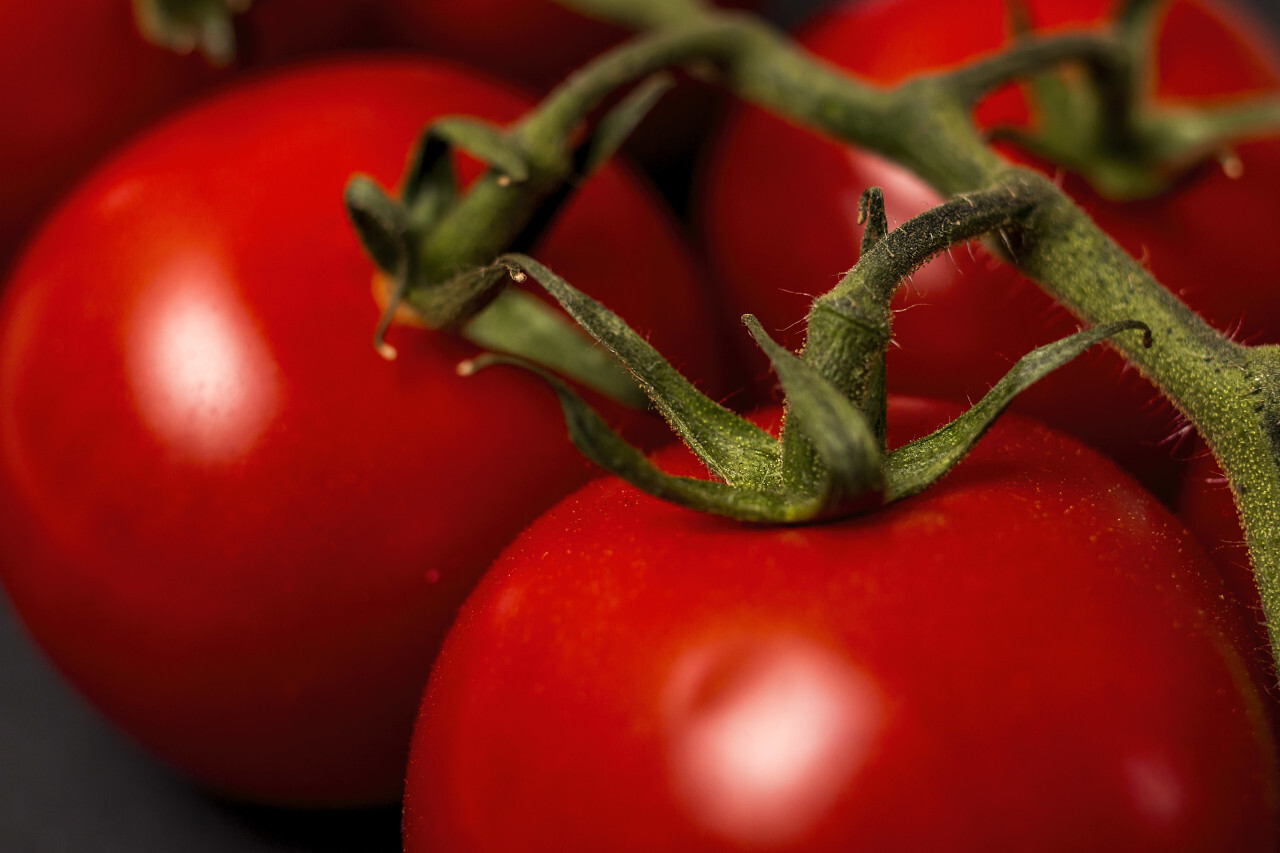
{"x":1230,"y":392}
{"x":490,"y":216}
{"x":1135,"y":23}
{"x":1191,"y":135}
{"x":849,"y":328}
{"x":649,"y":15}
{"x":493,"y":212}
{"x":1031,"y":55}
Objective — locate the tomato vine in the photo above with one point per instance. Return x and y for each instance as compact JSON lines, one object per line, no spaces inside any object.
{"x":1228,"y":390}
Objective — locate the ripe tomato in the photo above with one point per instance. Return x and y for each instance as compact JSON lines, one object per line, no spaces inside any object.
{"x":81,"y":79}
{"x":237,"y":529}
{"x":1027,"y":656}
{"x":779,"y":209}
{"x":1207,"y":508}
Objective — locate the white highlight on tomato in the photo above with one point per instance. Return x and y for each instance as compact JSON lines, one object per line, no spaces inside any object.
{"x":203,"y":376}
{"x":1155,"y":787}
{"x":765,"y":735}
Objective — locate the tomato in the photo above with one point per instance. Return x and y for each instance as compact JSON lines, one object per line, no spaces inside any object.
{"x":81,"y":79}
{"x":1209,"y":511}
{"x":779,"y":210}
{"x":1027,"y":656}
{"x":236,"y":528}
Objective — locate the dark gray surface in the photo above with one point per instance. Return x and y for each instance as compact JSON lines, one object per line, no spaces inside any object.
{"x":70,"y":784}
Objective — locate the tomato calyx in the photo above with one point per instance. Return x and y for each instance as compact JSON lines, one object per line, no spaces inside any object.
{"x":184,"y":26}
{"x":459,"y":292}
{"x":1107,"y":126}
{"x":832,"y":458}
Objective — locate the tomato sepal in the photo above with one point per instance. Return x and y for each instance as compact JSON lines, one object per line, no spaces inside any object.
{"x":186,"y":26}
{"x":1108,"y":128}
{"x":380,"y":222}
{"x":472,"y":302}
{"x":828,"y":463}
{"x":520,"y":324}
{"x":617,"y":125}
{"x":845,"y":463}
{"x":915,"y":466}
{"x":602,"y":445}
{"x":735,"y":450}
{"x":486,"y":142}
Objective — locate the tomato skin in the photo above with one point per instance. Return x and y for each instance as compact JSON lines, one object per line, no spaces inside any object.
{"x":97,"y":85}
{"x":1208,"y":509}
{"x":236,"y":528}
{"x":1029,"y":656}
{"x":964,"y":318}
{"x":89,"y":80}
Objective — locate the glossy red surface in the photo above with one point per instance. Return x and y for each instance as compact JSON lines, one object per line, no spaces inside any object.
{"x":1032,"y":655}
{"x":82,"y":79}
{"x":70,"y":112}
{"x":1208,"y":509}
{"x":235,"y":527}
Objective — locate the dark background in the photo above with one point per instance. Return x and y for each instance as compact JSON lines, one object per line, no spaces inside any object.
{"x":788,"y":11}
{"x":70,"y":784}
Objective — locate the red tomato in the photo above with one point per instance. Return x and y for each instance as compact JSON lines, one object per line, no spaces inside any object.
{"x":1028,"y":656}
{"x":1209,"y":511}
{"x":81,"y":79}
{"x":237,"y":529}
{"x":780,"y":206}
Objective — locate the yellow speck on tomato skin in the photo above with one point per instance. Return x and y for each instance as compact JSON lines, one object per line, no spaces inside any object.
{"x":921,"y":522}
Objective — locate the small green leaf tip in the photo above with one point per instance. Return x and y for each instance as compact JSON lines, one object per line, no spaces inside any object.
{"x":915,"y":466}
{"x":616,"y":126}
{"x":429,"y":187}
{"x":734,"y":450}
{"x":380,"y":222}
{"x":845,"y":466}
{"x":871,"y":215}
{"x":1108,"y":127}
{"x":382,"y":226}
{"x":184,"y":26}
{"x":486,"y":142}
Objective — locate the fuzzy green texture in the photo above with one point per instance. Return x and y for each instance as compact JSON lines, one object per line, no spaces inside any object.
{"x":831,"y":460}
